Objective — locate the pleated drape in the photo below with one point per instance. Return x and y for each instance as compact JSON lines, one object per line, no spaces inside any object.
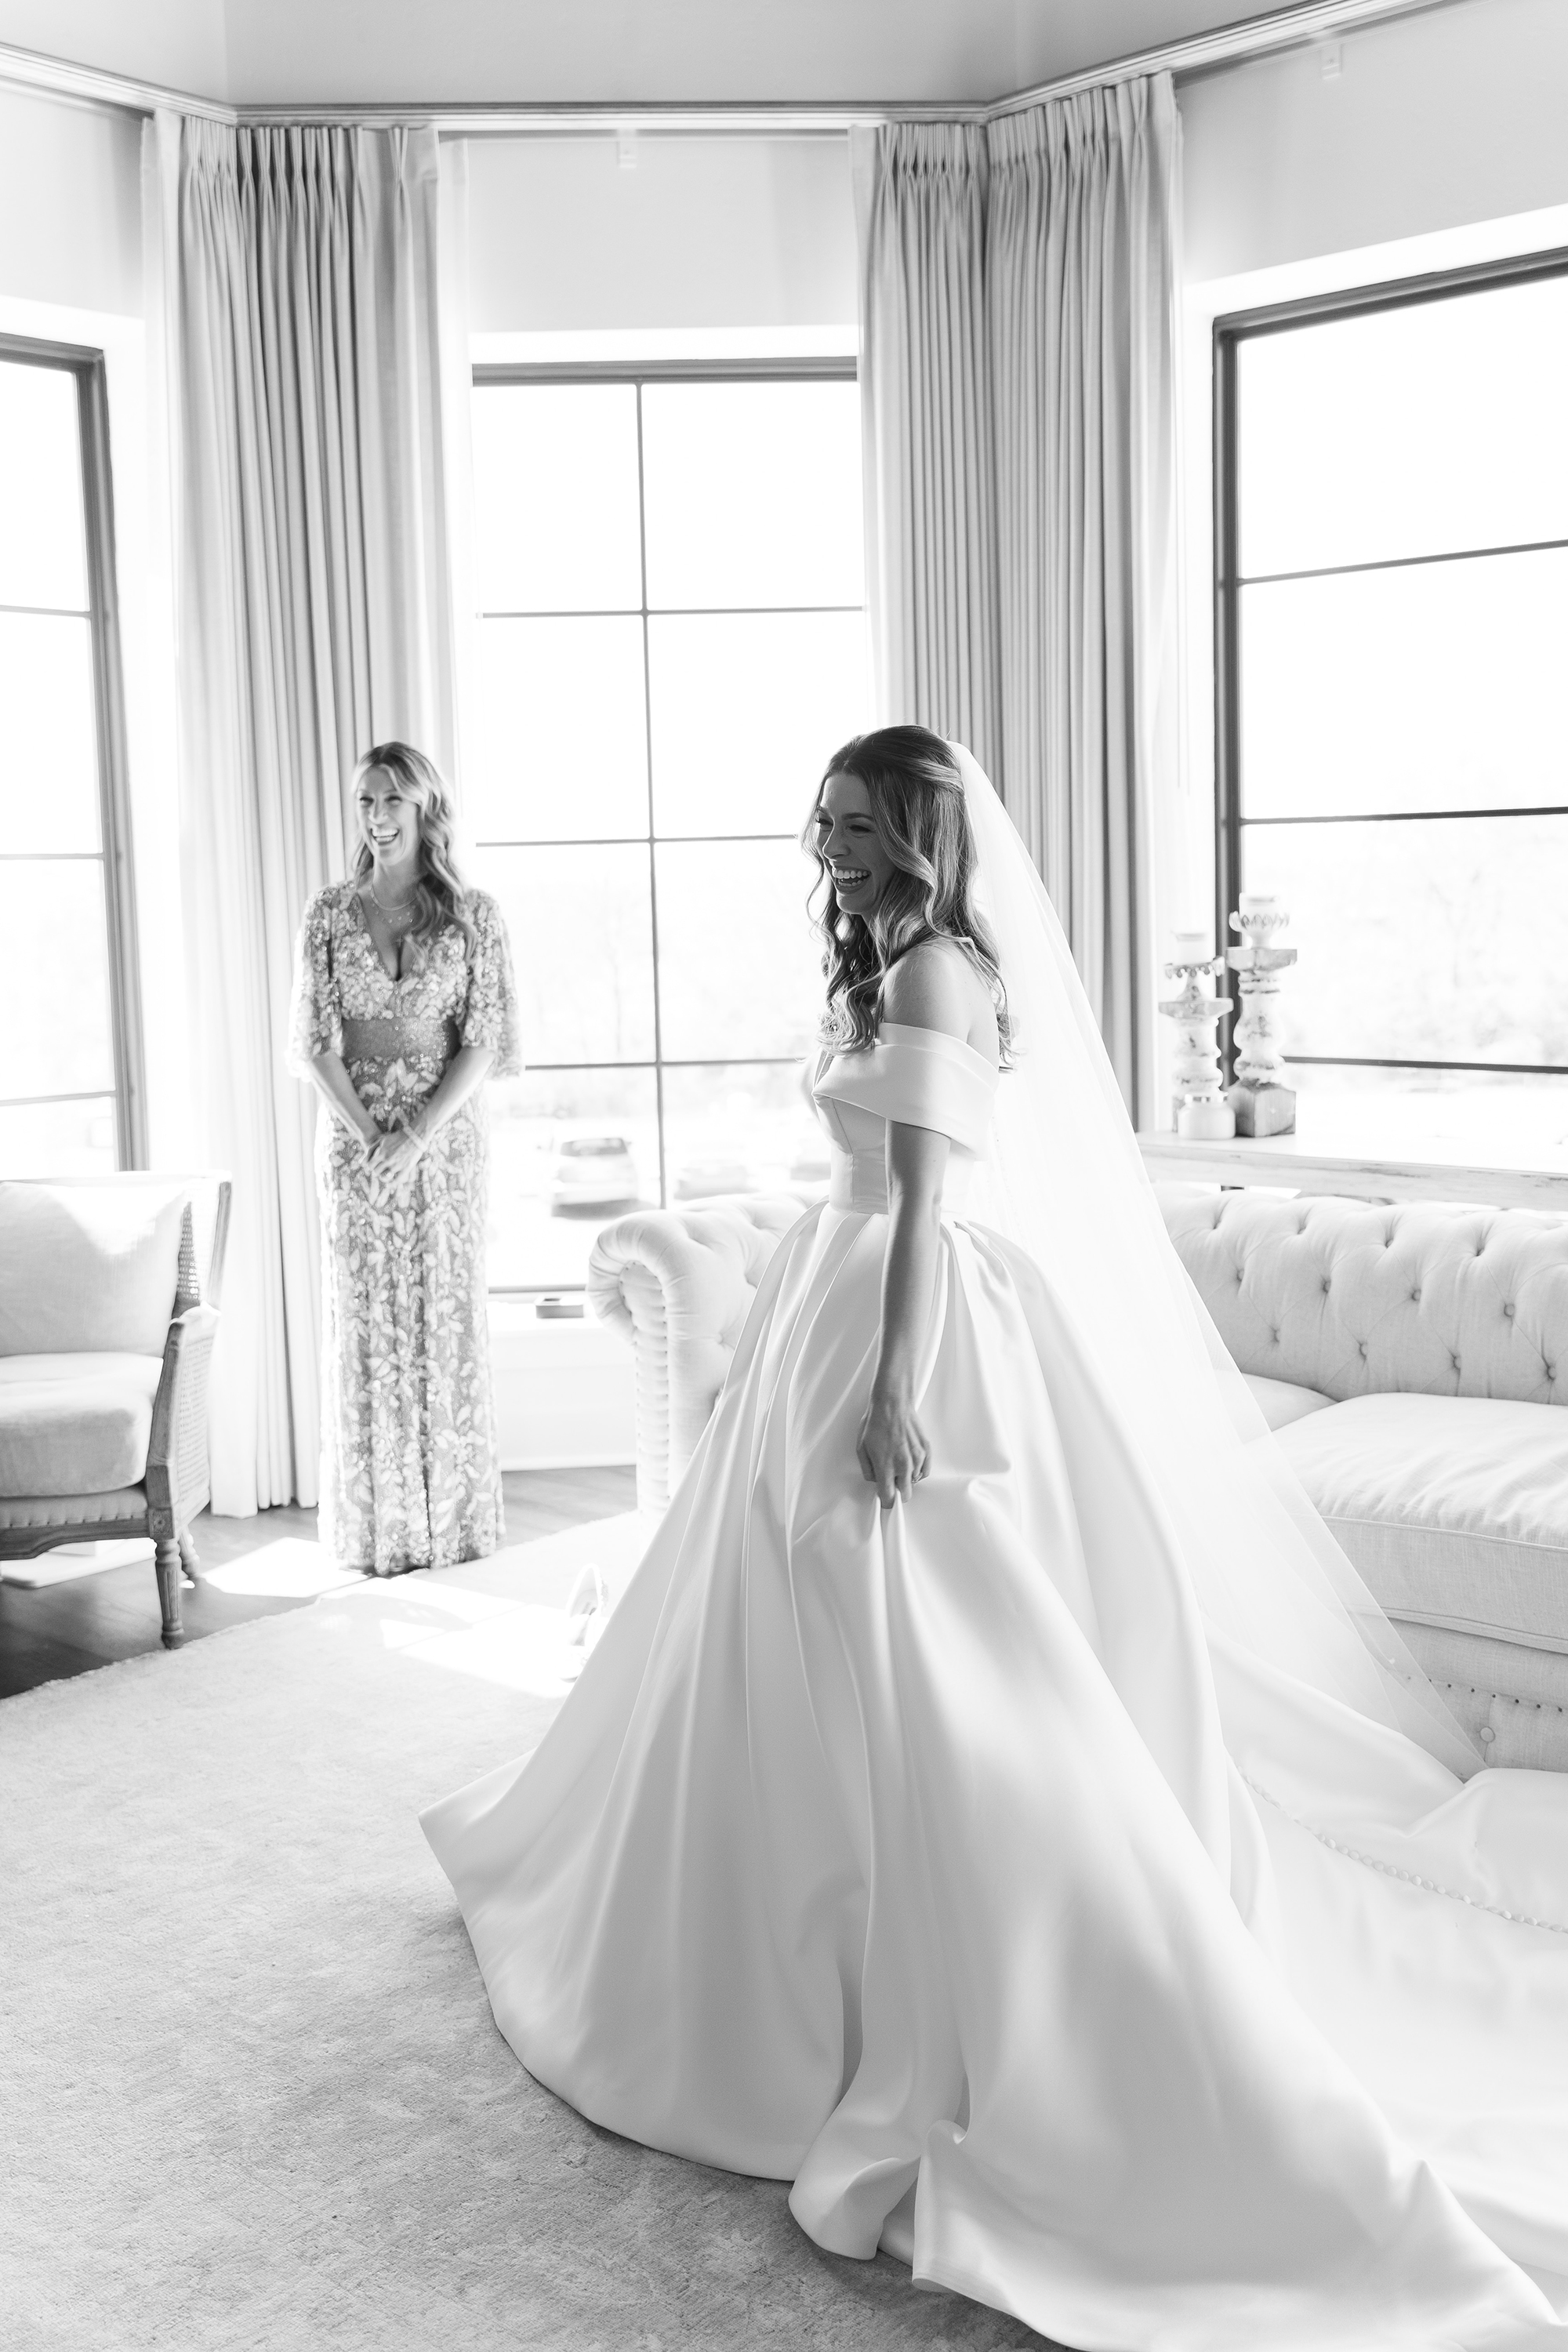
{"x":1069,"y":326}
{"x":313,"y":618}
{"x":926,"y":416}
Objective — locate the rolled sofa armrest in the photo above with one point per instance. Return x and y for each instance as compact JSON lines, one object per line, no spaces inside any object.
{"x":177,"y":1475}
{"x":678,"y":1284}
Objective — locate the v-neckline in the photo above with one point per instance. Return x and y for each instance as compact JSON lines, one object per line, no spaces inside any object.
{"x":393,"y":978}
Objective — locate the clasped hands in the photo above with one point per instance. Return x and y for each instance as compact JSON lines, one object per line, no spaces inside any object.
{"x":891,"y":1449}
{"x":392,"y":1152}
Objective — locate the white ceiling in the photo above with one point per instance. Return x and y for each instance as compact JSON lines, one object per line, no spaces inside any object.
{"x":336,"y":51}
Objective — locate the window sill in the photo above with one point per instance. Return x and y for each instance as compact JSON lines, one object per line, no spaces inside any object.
{"x":1294,"y":1163}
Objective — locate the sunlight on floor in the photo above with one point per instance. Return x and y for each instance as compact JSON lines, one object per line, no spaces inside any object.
{"x":525,"y":1618}
{"x":291,"y":1567}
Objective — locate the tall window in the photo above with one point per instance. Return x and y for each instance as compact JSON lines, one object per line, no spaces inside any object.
{"x":671,"y":641}
{"x":1393,"y":606}
{"x":71,"y":1082}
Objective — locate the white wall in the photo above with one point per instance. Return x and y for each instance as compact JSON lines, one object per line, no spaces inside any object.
{"x":602,"y":50}
{"x":70,"y":205}
{"x":182,"y":44}
{"x":697,"y":233}
{"x":1433,"y":120}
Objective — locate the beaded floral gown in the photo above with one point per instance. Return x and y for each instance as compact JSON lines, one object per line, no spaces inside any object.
{"x":410,"y":1476}
{"x":898,"y":1855}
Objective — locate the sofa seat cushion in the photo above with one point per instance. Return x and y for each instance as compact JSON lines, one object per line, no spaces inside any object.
{"x":1455,"y":1510}
{"x":75,"y":1424}
{"x":1283,"y":1402}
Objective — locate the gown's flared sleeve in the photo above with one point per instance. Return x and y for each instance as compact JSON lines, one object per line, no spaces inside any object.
{"x":489,"y":1016}
{"x":314,"y":1016}
{"x":921,"y":1077}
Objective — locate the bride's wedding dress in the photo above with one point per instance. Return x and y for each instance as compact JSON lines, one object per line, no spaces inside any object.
{"x":899,"y":1854}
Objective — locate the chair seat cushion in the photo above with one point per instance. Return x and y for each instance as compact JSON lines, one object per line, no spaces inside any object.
{"x":1455,"y":1510}
{"x":75,"y":1424}
{"x":1283,"y":1402}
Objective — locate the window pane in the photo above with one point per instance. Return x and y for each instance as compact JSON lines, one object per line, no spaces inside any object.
{"x":547,"y":1201}
{"x":752,"y":493}
{"x":47,"y":694}
{"x":740,"y":966}
{"x":1406,"y":432}
{"x":562,"y":751}
{"x":582,"y":940}
{"x":1442,"y":686}
{"x":1502,"y":1121}
{"x":555,"y":497}
{"x":54,"y":977}
{"x":742,"y":1129}
{"x":66,"y":1138}
{"x":747,"y":711}
{"x":43,"y":550}
{"x":1431,"y":938}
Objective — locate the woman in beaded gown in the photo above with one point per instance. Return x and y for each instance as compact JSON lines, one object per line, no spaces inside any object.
{"x":403,"y":1005}
{"x":995,"y":1806}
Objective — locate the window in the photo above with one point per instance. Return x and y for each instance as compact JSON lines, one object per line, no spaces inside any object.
{"x":70,"y":1079}
{"x":671,"y":643}
{"x":1392,"y":607}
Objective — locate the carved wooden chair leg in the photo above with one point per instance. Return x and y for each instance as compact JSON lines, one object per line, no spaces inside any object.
{"x":189,"y":1559}
{"x":166,"y":1555}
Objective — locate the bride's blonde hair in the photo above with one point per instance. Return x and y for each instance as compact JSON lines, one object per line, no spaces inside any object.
{"x":917,"y":801}
{"x":440,"y":894}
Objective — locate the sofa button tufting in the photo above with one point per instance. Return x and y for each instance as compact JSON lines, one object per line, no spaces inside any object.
{"x":1361,"y":1344}
{"x":1552,"y":1371}
{"x":1508,"y":1308}
{"x":1456,"y":1363}
{"x":1416,"y":1298}
{"x":1487,"y":1734}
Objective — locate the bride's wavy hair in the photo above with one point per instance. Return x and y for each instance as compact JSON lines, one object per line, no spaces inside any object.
{"x":917,"y":802}
{"x":440,"y":893}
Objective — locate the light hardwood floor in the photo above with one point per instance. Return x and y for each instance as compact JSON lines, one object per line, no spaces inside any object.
{"x":69,"y":1628}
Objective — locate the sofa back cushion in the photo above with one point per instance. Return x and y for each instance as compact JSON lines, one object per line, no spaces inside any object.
{"x":1357,"y":1299}
{"x":89,"y":1268}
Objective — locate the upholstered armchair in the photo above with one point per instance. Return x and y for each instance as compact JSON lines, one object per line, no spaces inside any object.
{"x":106,"y":1340}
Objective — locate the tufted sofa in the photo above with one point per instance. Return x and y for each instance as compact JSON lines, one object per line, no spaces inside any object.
{"x":678,"y":1284}
{"x":1412,"y":1360}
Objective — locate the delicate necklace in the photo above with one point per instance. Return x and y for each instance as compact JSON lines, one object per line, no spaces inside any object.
{"x":391,"y":912}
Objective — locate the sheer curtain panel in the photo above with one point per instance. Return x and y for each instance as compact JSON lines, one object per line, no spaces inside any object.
{"x":298,"y":276}
{"x":1020,"y":388}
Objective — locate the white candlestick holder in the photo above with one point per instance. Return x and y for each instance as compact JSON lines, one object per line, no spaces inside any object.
{"x":1201,"y":1111}
{"x":1259,"y":1098}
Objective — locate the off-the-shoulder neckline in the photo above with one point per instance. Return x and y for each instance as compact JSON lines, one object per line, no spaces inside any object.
{"x":941,"y":1037}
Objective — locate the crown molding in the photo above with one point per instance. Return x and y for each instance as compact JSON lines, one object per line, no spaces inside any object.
{"x":1199,"y":53}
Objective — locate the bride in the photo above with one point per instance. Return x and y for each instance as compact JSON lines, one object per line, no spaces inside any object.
{"x":997,"y":1806}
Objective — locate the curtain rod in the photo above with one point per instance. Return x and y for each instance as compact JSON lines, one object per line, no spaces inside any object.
{"x":1228,"y":45}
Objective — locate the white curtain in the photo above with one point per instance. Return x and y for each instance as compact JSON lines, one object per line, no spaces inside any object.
{"x":298,"y":276}
{"x":1074,"y":281}
{"x":926,"y":413}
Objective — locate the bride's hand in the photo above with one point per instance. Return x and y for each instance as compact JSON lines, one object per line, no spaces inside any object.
{"x":892,"y":1450}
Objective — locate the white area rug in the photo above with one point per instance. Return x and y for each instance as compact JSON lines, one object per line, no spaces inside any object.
{"x":251,"y":2097}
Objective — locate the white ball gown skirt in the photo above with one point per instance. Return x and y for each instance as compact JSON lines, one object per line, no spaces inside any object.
{"x":897,"y":1855}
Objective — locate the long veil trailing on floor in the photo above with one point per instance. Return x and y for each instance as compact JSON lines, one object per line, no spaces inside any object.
{"x":1319,"y":1698}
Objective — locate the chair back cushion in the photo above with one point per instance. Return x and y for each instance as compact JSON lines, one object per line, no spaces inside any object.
{"x":89,"y":1268}
{"x":1354,"y":1298}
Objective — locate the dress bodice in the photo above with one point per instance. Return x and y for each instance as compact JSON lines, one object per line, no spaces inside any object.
{"x":921,"y":1077}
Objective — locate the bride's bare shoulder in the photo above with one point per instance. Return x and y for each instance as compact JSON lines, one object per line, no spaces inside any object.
{"x":935,"y":986}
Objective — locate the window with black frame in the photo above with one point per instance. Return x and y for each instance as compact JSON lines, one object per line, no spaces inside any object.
{"x":671,"y":640}
{"x":1392,"y":607}
{"x":72,"y":1100}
